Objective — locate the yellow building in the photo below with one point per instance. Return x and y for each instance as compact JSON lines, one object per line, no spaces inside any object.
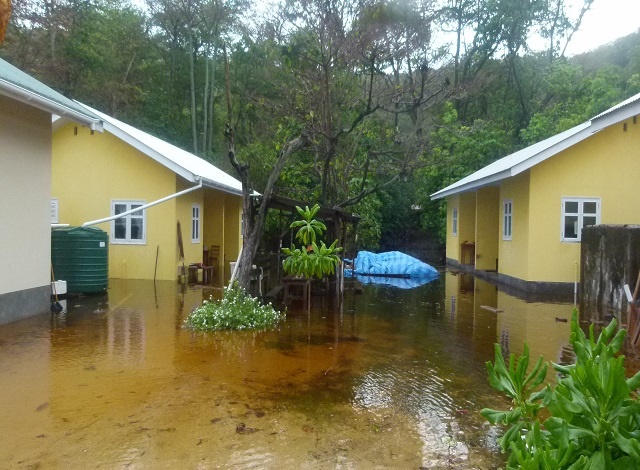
{"x":96,"y":177}
{"x":522,"y":216}
{"x":26,"y":109}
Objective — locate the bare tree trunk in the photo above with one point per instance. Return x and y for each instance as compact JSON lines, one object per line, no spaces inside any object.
{"x":254,"y":214}
{"x":205,"y":107}
{"x":194,"y":128}
{"x":212,"y":98}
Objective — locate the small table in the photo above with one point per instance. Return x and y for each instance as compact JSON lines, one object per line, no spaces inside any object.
{"x":207,"y":273}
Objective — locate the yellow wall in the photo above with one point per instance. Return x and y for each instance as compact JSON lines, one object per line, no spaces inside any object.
{"x":601,"y":166}
{"x":513,"y":255}
{"x":453,"y":245}
{"x":232,"y":227}
{"x":466,"y":205}
{"x":214,"y":222}
{"x":25,"y":179}
{"x":91,"y":170}
{"x":184,"y":204}
{"x":487,"y":227}
{"x":467,"y":218}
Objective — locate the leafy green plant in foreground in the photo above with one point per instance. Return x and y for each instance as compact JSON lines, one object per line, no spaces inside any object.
{"x":237,"y":310}
{"x":594,"y":421}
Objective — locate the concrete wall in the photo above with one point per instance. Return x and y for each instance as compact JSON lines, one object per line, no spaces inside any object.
{"x":610,"y":258}
{"x":25,"y":233}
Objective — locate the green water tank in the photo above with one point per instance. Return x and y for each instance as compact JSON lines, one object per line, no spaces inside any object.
{"x":80,"y":256}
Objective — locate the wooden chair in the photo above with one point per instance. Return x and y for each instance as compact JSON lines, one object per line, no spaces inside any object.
{"x":210,"y":262}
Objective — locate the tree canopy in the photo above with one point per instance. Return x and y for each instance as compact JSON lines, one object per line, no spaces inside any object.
{"x":370,"y":105}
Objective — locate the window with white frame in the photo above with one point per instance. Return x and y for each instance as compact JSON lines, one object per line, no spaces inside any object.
{"x":577,"y":213}
{"x":454,"y":222}
{"x":507,"y":219}
{"x":130,"y":228}
{"x":195,"y":223}
{"x":53,"y":208}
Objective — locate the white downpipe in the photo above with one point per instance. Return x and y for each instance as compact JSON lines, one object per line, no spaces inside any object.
{"x":141,"y":208}
{"x":235,"y":269}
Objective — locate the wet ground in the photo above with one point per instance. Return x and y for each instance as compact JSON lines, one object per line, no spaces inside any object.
{"x":391,"y":378}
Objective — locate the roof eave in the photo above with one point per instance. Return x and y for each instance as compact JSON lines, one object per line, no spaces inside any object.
{"x":554,"y":149}
{"x":616,"y":116}
{"x":480,"y":183}
{"x":33,"y":99}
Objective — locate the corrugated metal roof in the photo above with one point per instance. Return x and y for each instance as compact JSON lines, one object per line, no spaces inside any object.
{"x":526,"y":158}
{"x":618,"y":106}
{"x":187,"y":165}
{"x":19,"y":85}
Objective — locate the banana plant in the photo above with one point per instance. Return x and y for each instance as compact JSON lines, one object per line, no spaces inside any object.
{"x":312,"y":259}
{"x":309,"y":228}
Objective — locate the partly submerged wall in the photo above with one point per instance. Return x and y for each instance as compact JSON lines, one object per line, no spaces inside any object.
{"x":610,"y":258}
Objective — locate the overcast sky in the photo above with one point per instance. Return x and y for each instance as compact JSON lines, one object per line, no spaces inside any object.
{"x":606,"y":21}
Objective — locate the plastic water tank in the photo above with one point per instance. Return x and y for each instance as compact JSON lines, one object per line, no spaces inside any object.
{"x":80,"y":256}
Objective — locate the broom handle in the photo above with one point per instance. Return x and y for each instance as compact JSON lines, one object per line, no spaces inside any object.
{"x":53,"y":278}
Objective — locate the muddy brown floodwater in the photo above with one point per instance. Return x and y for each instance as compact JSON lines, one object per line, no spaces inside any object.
{"x":392,"y":378}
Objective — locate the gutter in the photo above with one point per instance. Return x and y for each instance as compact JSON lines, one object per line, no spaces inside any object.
{"x":38,"y":101}
{"x":224,"y":188}
{"x":141,"y":208}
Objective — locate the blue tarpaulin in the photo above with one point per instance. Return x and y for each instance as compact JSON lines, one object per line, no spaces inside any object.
{"x":392,"y":264}
{"x":400,"y":282}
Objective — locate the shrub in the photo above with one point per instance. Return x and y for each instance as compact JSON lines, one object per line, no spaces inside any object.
{"x":237,"y":310}
{"x":594,"y":418}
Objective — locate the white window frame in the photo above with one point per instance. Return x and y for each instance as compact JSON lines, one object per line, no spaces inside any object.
{"x":128,"y":240}
{"x":507,"y":219}
{"x":54,"y":209}
{"x":196,"y":223}
{"x":454,"y":222}
{"x":580,"y":214}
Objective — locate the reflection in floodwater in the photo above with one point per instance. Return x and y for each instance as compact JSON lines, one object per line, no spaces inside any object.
{"x":391,"y":378}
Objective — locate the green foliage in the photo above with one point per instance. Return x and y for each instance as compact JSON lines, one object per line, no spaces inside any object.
{"x":369,"y":229}
{"x":308,"y":228}
{"x":457,"y":150}
{"x":311,"y":260}
{"x":237,"y":310}
{"x":594,"y":420}
{"x":314,"y":261}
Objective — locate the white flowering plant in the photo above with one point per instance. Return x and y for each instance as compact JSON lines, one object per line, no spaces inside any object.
{"x":237,"y":310}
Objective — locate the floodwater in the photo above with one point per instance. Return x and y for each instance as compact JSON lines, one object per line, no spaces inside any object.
{"x":391,"y":378}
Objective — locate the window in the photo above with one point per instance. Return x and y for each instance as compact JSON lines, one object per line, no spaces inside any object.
{"x":454,"y":222}
{"x":507,"y":219}
{"x":53,"y":208}
{"x":578,"y":213}
{"x":130,"y":228}
{"x":195,"y":223}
